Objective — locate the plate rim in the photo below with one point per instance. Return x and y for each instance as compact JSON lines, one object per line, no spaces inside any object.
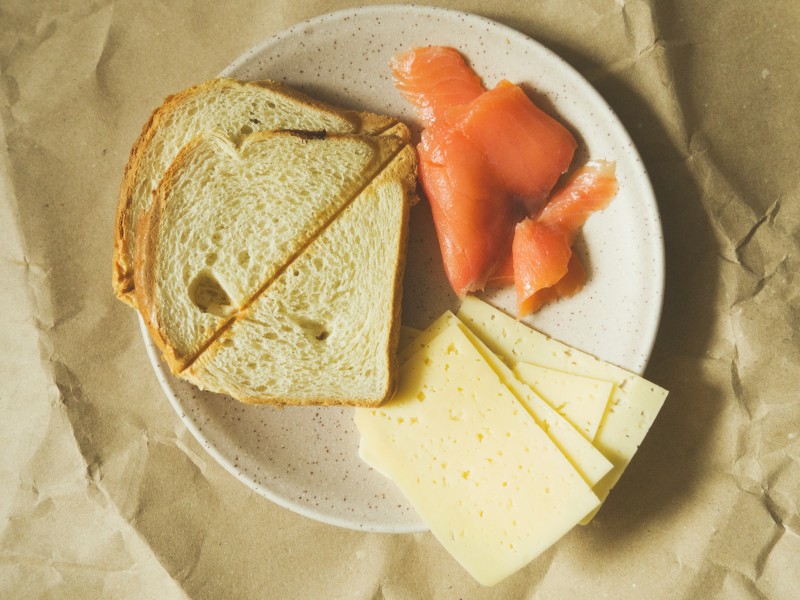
{"x":650,"y":329}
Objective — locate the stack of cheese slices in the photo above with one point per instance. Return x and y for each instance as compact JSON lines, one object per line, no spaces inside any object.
{"x":261,"y":235}
{"x":502,"y":438}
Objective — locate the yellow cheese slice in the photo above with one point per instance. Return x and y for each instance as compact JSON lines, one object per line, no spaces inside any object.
{"x":580,"y":400}
{"x":634,"y":403}
{"x":411,"y":341}
{"x":424,"y":337}
{"x":487,"y":480}
{"x":587,"y":460}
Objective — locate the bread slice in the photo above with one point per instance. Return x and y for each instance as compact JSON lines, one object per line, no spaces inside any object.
{"x":326,"y":331}
{"x":234,"y":108}
{"x":225,"y":221}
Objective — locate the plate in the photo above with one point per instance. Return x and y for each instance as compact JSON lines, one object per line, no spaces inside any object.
{"x":306,"y":458}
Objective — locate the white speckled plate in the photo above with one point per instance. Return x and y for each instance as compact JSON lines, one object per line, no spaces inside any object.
{"x":306,"y":459}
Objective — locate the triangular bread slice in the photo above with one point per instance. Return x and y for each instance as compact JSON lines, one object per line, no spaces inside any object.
{"x":326,"y":331}
{"x":225,"y":221}
{"x":234,"y":108}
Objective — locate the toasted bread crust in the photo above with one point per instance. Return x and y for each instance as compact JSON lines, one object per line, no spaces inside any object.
{"x":122,"y":265}
{"x":372,"y":124}
{"x":144,"y":272}
{"x":123,"y":262}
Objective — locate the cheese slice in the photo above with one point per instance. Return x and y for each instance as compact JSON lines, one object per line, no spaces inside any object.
{"x":634,"y":403}
{"x":487,"y":480}
{"x":411,"y":341}
{"x":424,"y":337}
{"x":587,"y":460}
{"x":580,"y":400}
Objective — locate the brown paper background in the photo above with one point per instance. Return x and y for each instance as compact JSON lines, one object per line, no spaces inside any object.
{"x":103,"y":492}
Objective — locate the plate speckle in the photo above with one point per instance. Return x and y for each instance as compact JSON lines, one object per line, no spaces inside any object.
{"x":306,"y":459}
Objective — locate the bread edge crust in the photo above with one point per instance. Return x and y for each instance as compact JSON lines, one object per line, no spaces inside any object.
{"x":144,"y":275}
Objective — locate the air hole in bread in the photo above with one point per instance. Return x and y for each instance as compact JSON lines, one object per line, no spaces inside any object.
{"x":207,"y":294}
{"x":211,"y":258}
{"x":244,"y":258}
{"x":246,"y":130}
{"x":216,"y":238}
{"x":315,"y":329}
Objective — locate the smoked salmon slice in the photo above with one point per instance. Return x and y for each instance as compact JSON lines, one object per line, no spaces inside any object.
{"x":541,"y":258}
{"x":503,"y":275}
{"x":569,"y":285}
{"x":488,"y":160}
{"x":591,"y":188}
{"x":527,"y":149}
{"x":542,"y":254}
{"x":473,"y":219}
{"x":433,"y":79}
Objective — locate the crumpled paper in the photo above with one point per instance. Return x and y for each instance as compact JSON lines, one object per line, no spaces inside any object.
{"x":104,"y":493}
